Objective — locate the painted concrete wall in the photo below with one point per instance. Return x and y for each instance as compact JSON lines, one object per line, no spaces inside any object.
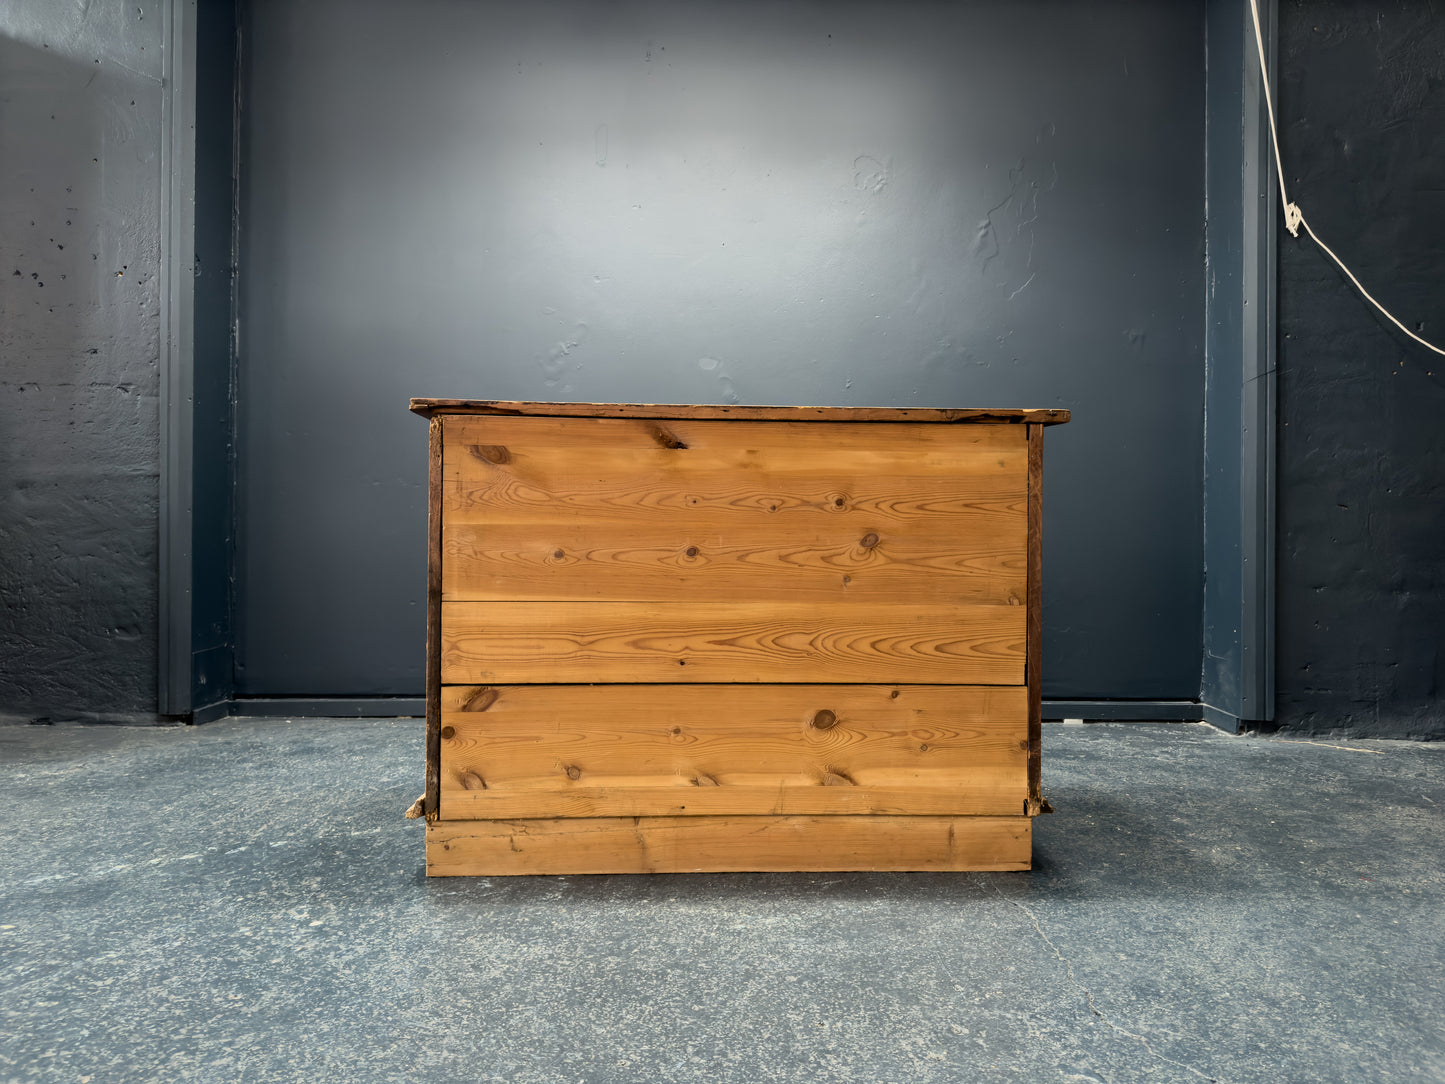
{"x":1361,"y":568}
{"x":1361,"y":599}
{"x":80,"y":117}
{"x":903,"y":203}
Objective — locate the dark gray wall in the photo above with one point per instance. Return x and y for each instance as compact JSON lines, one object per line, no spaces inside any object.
{"x":1361,"y":582}
{"x":835,"y":203}
{"x":80,"y":115}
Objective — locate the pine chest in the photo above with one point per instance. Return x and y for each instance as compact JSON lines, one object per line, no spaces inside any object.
{"x":687,"y":638}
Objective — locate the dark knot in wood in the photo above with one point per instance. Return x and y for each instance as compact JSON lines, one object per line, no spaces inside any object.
{"x":868,"y":541}
{"x":491,"y":453}
{"x":691,"y":551}
{"x":666,"y":437}
{"x":448,"y":733}
{"x":481,"y":700}
{"x":573,"y":772}
{"x":825,"y":719}
{"x":472,"y":781}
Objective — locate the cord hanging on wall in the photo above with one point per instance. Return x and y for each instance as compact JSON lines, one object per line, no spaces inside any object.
{"x":1293,"y":217}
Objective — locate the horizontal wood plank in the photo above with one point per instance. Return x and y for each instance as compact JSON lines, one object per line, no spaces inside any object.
{"x":546,"y":452}
{"x":666,"y":642}
{"x":736,"y":442}
{"x":726,"y":502}
{"x":726,"y":844}
{"x":932,"y":415}
{"x":968,"y":560}
{"x":586,"y":751}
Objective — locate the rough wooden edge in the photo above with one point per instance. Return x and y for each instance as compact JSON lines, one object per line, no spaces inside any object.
{"x":727,"y":844}
{"x":432,"y":795}
{"x":1035,"y":619}
{"x":429,"y":407}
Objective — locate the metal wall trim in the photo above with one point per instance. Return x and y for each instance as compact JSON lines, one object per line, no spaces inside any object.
{"x":1258,"y":408}
{"x":177,"y":350}
{"x":1237,"y":660}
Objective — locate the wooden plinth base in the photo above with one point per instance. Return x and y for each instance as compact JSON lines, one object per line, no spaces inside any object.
{"x":726,"y":844}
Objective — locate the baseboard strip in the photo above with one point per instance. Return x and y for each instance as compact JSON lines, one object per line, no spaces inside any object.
{"x":1125,"y":711}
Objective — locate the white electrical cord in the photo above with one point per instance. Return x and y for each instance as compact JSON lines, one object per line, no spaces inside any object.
{"x":1293,"y":217}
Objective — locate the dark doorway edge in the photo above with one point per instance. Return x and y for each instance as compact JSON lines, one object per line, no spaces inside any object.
{"x":1237,"y":661}
{"x":197,"y":202}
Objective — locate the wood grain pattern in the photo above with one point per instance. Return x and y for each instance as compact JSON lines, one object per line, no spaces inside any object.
{"x":1035,"y":632}
{"x":964,"y":560}
{"x":587,"y":751}
{"x":729,"y":477}
{"x":539,"y":450}
{"x":721,"y":501}
{"x":646,"y":642}
{"x":430,"y":407}
{"x":726,"y":844}
{"x":431,"y":794}
{"x":735,"y":442}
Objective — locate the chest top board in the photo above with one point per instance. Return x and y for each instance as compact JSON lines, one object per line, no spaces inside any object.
{"x":713,"y":638}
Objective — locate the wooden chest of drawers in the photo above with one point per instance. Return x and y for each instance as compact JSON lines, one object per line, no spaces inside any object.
{"x":667,"y":638}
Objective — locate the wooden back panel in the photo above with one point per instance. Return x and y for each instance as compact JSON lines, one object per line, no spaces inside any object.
{"x":580,"y":509}
{"x":644,"y":550}
{"x":613,"y":750}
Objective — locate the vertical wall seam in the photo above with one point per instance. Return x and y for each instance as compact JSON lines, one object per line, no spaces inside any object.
{"x":233,"y":353}
{"x":1237,"y":659}
{"x":176,"y":219}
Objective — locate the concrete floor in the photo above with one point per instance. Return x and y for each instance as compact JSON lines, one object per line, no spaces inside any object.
{"x":244,"y":902}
